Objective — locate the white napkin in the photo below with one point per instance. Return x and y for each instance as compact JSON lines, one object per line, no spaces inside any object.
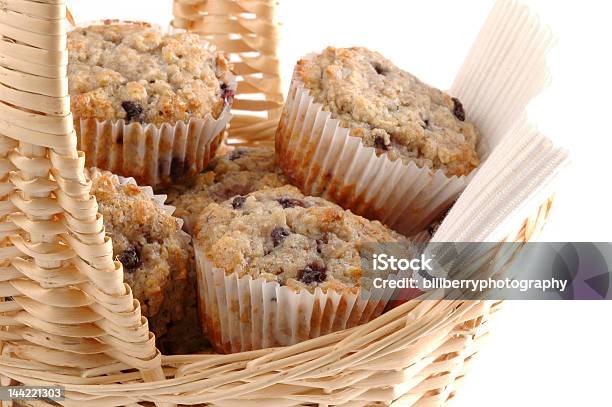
{"x":505,"y":69}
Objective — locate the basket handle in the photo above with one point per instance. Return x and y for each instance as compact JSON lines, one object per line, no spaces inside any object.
{"x":62,"y":289}
{"x":245,"y":30}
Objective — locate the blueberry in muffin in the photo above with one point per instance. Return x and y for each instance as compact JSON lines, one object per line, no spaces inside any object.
{"x":156,"y":254}
{"x":391,"y":110}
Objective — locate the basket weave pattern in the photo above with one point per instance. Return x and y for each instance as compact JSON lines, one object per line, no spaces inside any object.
{"x":247,"y":32}
{"x":67,"y":317}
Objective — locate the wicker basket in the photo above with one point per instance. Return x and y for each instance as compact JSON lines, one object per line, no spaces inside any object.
{"x":67,"y":317}
{"x":246,"y":31}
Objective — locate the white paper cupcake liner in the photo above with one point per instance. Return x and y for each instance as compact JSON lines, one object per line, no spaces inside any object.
{"x":242,"y":314}
{"x":152,"y":154}
{"x":321,"y":158}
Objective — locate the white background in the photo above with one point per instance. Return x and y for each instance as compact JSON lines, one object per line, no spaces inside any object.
{"x":540,"y":353}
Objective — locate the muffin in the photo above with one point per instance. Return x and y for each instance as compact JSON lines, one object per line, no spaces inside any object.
{"x":238,"y":172}
{"x":276,"y":267}
{"x":147,"y":104}
{"x":361,"y":132}
{"x":156,"y":254}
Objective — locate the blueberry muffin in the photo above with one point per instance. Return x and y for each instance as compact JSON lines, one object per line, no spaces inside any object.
{"x":147,"y":105}
{"x":281,"y":235}
{"x":156,"y":254}
{"x":391,"y":110}
{"x":292,"y":263}
{"x":238,"y":172}
{"x":133,"y":71}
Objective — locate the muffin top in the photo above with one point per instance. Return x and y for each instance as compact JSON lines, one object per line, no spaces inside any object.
{"x":238,"y":172}
{"x":156,"y":254}
{"x":281,"y":235}
{"x":391,"y":110}
{"x":132,"y":71}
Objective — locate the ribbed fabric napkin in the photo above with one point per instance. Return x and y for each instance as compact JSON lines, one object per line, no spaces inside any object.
{"x":505,"y":69}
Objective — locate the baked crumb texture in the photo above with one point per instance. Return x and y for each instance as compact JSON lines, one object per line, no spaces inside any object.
{"x":391,"y":110}
{"x":185,"y":337}
{"x":374,"y":139}
{"x":134,"y":72}
{"x":238,"y":172}
{"x":156,"y":254}
{"x":276,"y":267}
{"x":147,"y":105}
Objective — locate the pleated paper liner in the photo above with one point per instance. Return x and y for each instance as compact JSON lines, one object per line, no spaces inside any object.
{"x":320,"y":157}
{"x":152,"y":154}
{"x":242,"y":313}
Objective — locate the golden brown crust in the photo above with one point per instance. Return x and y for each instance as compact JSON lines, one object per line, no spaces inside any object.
{"x":390,"y":109}
{"x":281,"y":235}
{"x":162,"y":78}
{"x":238,"y":172}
